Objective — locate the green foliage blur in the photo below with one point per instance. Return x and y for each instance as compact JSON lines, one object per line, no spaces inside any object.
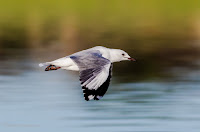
{"x":158,"y":33}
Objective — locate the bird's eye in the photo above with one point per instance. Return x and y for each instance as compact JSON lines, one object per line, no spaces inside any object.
{"x":123,"y":54}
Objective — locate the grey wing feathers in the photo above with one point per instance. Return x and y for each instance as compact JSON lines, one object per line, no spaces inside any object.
{"x":89,"y":59}
{"x":94,"y":70}
{"x":99,"y":93}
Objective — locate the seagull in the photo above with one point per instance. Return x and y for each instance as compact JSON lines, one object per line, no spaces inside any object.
{"x":94,"y":66}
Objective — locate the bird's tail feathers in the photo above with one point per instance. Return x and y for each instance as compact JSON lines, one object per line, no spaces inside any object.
{"x":44,"y":64}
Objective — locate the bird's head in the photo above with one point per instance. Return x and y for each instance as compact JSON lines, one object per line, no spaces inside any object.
{"x":117,"y":55}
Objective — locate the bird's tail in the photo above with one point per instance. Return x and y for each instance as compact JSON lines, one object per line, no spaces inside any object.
{"x":43,"y":64}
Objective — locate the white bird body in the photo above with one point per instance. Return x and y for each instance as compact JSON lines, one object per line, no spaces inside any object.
{"x":65,"y":63}
{"x":94,"y":66}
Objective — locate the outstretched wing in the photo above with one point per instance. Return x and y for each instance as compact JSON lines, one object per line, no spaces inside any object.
{"x":100,"y":91}
{"x":95,"y":73}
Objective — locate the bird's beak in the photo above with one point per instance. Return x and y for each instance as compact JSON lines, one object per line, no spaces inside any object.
{"x":131,"y":59}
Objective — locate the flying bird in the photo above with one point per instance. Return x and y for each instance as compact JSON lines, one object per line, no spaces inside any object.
{"x":94,"y":66}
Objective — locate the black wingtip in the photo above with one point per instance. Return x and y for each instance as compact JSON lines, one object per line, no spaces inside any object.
{"x":95,"y":98}
{"x":99,"y":92}
{"x":86,"y":99}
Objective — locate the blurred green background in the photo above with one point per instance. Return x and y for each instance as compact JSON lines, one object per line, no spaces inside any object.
{"x":158,"y":33}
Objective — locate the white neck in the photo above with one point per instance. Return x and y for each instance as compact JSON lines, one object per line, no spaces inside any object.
{"x":113,"y":56}
{"x":108,"y":53}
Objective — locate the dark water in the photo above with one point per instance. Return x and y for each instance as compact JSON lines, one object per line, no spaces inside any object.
{"x":32,"y":100}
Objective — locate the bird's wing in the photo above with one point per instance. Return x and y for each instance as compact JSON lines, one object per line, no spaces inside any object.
{"x":95,"y":73}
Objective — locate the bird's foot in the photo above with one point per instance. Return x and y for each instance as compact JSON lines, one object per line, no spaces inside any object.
{"x":51,"y":67}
